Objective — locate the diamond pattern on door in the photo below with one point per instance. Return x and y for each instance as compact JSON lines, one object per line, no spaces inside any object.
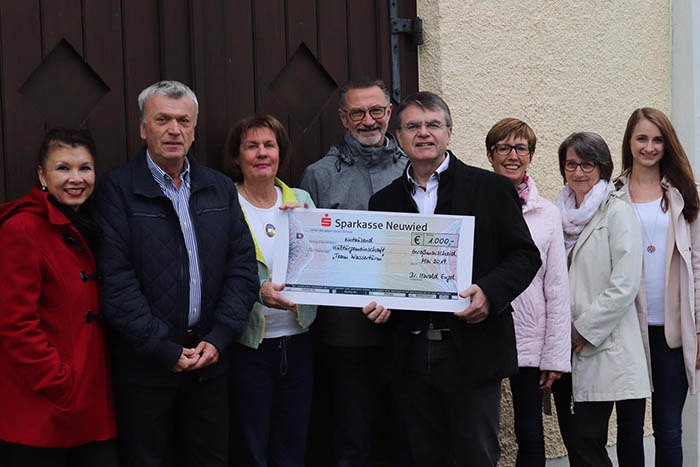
{"x":304,"y":86}
{"x":63,"y":88}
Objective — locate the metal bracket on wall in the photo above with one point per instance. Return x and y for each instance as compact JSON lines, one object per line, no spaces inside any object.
{"x":411,"y":26}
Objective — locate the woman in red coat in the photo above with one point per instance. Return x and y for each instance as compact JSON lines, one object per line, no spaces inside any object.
{"x":56,"y":405}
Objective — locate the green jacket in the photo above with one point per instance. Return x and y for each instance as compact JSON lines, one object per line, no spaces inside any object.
{"x":255,"y":327}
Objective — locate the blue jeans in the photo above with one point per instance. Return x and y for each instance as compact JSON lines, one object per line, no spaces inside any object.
{"x":630,"y":432}
{"x":668,"y":398}
{"x":271,"y":402}
{"x":527,"y":408}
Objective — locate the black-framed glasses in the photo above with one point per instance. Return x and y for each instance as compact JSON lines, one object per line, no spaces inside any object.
{"x":433,"y":125}
{"x":505,"y":149}
{"x":357,"y":115}
{"x":586,"y":166}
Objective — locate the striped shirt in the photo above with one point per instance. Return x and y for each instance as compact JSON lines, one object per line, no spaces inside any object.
{"x":181,"y":202}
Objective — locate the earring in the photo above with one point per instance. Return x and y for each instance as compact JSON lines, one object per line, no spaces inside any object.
{"x":44,"y":188}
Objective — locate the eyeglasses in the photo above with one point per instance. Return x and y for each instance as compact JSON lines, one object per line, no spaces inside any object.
{"x":357,"y":115}
{"x":433,"y":125}
{"x":505,"y":149}
{"x":586,"y":166}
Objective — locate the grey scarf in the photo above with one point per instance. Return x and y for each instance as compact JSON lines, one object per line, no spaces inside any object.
{"x":350,"y":151}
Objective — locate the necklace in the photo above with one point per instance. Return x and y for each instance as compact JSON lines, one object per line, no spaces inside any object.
{"x":650,"y":247}
{"x":268,"y":227}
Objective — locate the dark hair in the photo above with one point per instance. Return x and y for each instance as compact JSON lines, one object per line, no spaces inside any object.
{"x":238,"y":132}
{"x":674,"y":165}
{"x":67,"y":137}
{"x":425,"y":100}
{"x":588,"y":147}
{"x":510,"y":127}
{"x":362,"y":83}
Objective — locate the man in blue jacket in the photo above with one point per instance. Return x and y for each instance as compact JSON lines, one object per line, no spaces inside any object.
{"x":178,"y":279}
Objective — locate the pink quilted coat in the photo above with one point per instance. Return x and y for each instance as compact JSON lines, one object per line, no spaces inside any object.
{"x":542,"y":315}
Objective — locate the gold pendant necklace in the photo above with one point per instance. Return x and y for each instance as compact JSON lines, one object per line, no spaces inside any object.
{"x":650,"y":247}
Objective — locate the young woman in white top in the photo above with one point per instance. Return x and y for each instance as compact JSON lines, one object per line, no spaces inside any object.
{"x":658,"y":181}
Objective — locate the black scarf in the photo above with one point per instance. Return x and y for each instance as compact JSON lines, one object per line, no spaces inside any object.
{"x":82,"y":220}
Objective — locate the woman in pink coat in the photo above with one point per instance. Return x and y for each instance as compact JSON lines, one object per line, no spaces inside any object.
{"x":541,"y":313}
{"x":56,"y":404}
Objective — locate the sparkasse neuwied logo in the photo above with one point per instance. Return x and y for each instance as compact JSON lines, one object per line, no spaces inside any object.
{"x":326,"y":221}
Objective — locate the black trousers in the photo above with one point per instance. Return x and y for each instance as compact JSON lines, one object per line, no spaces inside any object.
{"x":98,"y":453}
{"x":585,"y":432}
{"x":358,"y":384}
{"x":527,"y":409}
{"x":166,"y":426}
{"x":449,"y":423}
{"x":271,"y":389}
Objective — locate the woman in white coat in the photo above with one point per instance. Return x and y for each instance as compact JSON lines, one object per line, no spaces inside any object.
{"x":608,"y":364}
{"x":541,"y":313}
{"x":658,"y":181}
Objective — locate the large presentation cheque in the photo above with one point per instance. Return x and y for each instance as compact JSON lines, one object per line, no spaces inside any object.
{"x":350,"y":258}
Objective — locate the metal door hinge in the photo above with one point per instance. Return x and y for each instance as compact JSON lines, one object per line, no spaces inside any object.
{"x":411,"y":26}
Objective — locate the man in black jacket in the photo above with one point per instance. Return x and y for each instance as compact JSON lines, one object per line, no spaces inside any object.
{"x":449,"y":367}
{"x":178,"y":280}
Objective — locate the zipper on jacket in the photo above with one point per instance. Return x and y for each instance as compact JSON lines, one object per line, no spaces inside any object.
{"x":148,"y":214}
{"x":205,"y":211}
{"x":264,"y":321}
{"x":195,"y":227}
{"x":181,"y":250}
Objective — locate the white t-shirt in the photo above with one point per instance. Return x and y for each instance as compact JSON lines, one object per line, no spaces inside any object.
{"x":278,"y":323}
{"x":654,"y":227}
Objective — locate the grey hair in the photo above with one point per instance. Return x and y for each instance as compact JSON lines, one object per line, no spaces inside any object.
{"x":425,"y":100}
{"x":363,"y":83}
{"x":169,"y":88}
{"x":588,"y":147}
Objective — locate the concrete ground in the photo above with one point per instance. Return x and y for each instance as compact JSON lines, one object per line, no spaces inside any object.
{"x":648,"y":455}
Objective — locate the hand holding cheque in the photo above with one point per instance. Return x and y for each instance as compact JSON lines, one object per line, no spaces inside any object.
{"x":476,"y":312}
{"x":404,"y":261}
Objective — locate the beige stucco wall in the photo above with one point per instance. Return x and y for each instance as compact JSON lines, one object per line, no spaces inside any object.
{"x":560,"y":65}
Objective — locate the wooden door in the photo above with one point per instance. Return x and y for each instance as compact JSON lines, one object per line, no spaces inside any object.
{"x":74,"y":62}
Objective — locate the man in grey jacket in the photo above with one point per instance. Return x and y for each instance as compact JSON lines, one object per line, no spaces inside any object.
{"x":365,"y":161}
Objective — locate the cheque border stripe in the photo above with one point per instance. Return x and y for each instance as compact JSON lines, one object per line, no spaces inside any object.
{"x":366,"y":291}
